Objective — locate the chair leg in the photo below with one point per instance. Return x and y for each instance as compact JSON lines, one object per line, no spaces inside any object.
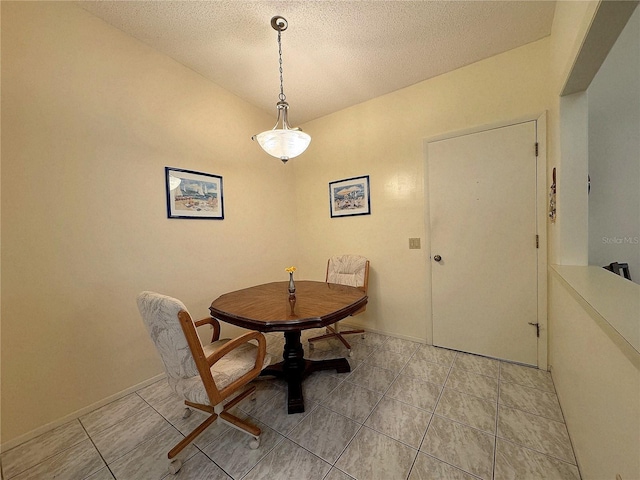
{"x":349,"y":332}
{"x":237,"y":423}
{"x":344,"y":342}
{"x":249,"y":392}
{"x":174,"y":466}
{"x":338,"y":335}
{"x":191,"y":437}
{"x":175,"y":463}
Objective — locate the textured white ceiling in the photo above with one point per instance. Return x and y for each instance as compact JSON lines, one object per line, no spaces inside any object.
{"x":335,"y":53}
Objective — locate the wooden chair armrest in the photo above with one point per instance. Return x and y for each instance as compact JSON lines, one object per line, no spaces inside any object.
{"x":214,"y":323}
{"x":233,"y":344}
{"x":236,"y":342}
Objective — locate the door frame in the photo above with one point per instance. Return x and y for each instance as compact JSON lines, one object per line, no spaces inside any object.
{"x":541,"y":220}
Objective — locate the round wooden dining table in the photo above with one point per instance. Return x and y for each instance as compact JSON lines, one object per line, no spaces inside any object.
{"x":271,"y":308}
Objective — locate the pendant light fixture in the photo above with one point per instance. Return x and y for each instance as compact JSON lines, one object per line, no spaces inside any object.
{"x":282,"y":141}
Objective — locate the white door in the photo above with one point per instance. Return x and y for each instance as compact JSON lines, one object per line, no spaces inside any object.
{"x":482,"y":202}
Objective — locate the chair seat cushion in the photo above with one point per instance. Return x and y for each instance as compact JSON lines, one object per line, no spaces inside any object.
{"x":225,"y":371}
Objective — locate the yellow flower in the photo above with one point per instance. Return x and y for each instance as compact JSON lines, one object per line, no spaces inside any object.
{"x":290,"y":269}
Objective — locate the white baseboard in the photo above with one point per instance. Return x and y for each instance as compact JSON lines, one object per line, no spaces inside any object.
{"x":77,"y":414}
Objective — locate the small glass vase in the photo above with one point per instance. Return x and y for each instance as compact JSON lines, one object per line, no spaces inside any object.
{"x":292,"y":284}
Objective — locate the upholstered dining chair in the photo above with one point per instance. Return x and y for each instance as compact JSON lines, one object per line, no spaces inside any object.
{"x":352,"y":270}
{"x":207,"y":377}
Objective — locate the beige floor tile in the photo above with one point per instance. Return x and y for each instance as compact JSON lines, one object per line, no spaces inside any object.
{"x":199,"y":467}
{"x":527,"y":376}
{"x":79,"y":461}
{"x":123,"y":437}
{"x":234,"y":455}
{"x":336,"y":474}
{"x":426,"y":371}
{"x":432,"y":354}
{"x":157,"y":393}
{"x":149,"y":460}
{"x":400,"y":345}
{"x":535,"y":432}
{"x":415,"y":392}
{"x":274,"y":413}
{"x":34,"y":451}
{"x":103,"y":474}
{"x":517,"y":463}
{"x":427,"y":467}
{"x":477,"y":364}
{"x":288,"y":461}
{"x":388,"y":360}
{"x":473,"y":384}
{"x":531,"y":400}
{"x":373,"y":378}
{"x":462,"y":446}
{"x":365,"y":424}
{"x":113,"y":413}
{"x":324,"y":433}
{"x":400,"y":421}
{"x":374,"y":456}
{"x":318,"y":386}
{"x":467,"y":409}
{"x":352,"y":401}
{"x":266,"y":388}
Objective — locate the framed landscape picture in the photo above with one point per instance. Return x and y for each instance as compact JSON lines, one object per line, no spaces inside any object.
{"x":350,"y":197}
{"x":194,"y":195}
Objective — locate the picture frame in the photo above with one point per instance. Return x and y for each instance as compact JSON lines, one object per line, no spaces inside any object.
{"x":194,"y":195}
{"x":349,"y":197}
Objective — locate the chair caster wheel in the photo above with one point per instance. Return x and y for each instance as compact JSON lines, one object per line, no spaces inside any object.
{"x":362,"y":336}
{"x":174,"y":466}
{"x":186,"y":413}
{"x":254,"y":444}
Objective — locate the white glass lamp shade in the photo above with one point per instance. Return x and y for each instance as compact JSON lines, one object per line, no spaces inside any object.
{"x":283,"y":143}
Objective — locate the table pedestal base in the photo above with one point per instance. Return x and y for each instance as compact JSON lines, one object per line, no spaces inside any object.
{"x":295,"y":368}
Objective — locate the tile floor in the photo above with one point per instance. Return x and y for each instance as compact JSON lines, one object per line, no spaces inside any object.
{"x":406,"y":411}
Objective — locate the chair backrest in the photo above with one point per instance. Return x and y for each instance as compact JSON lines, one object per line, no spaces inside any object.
{"x":160,"y":316}
{"x":352,"y":270}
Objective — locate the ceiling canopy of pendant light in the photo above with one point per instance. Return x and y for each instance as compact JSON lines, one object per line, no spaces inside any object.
{"x":282,"y":141}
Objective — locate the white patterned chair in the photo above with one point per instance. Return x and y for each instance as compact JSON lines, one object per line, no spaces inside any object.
{"x":205,"y":376}
{"x":352,"y":270}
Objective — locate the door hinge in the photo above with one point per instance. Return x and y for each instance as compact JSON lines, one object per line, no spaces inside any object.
{"x":537,"y":241}
{"x":536,"y":149}
{"x":537,"y":325}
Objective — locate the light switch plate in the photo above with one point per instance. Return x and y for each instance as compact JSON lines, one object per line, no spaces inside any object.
{"x":414,"y":243}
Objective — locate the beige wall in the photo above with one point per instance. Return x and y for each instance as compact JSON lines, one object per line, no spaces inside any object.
{"x":614,"y":154}
{"x":571,"y":22}
{"x":597,"y":377}
{"x":598,"y":382}
{"x":384,"y":138}
{"x":90,"y":119}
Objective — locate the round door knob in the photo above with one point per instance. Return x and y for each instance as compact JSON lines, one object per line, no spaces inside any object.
{"x":437,"y":258}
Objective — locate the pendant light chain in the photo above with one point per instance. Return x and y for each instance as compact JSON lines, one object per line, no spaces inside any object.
{"x":282,"y":141}
{"x":282,"y":96}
